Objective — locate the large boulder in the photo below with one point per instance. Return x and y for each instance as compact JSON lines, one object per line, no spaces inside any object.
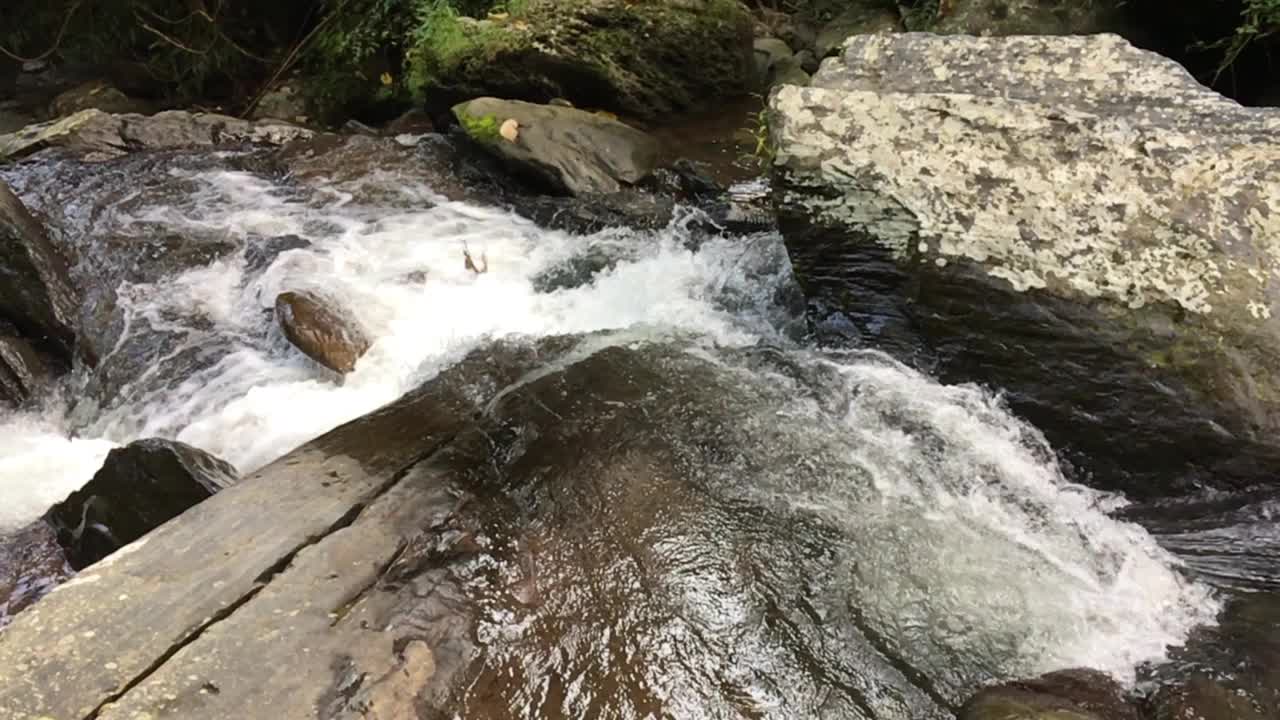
{"x":139,"y":488}
{"x":322,"y":328}
{"x":99,"y":135}
{"x":1069,"y":218}
{"x":567,"y":149}
{"x":36,"y":294}
{"x":647,"y":60}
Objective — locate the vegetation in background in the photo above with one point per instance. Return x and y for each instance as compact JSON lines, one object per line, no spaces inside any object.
{"x":193,"y":49}
{"x":1259,"y":19}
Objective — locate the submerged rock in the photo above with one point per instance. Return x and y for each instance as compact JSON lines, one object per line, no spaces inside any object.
{"x":98,"y":135}
{"x":646,"y":59}
{"x":140,"y":487}
{"x":569,"y":150}
{"x":1062,"y":695}
{"x":36,"y":294}
{"x":322,"y":329}
{"x":1072,"y":219}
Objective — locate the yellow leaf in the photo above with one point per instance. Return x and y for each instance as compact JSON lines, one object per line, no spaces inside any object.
{"x":387,"y":79}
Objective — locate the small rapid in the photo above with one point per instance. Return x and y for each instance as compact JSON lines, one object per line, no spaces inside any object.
{"x":966,"y":546}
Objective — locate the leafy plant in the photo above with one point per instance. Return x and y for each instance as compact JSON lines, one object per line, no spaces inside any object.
{"x":1259,"y":19}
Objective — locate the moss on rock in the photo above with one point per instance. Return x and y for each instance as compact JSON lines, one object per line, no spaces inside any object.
{"x":644,"y":59}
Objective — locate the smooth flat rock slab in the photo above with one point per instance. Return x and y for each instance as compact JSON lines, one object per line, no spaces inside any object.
{"x":84,"y":646}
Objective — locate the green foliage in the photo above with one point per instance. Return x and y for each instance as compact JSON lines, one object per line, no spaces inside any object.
{"x":192,"y":50}
{"x":357,"y":55}
{"x":445,"y":36}
{"x":1259,"y":19}
{"x":920,"y":15}
{"x":763,"y":153}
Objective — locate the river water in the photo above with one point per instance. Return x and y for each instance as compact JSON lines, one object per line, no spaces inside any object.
{"x":973,"y":543}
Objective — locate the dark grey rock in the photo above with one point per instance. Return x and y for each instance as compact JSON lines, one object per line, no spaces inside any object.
{"x":139,"y":488}
{"x":1062,"y":695}
{"x":36,"y":294}
{"x":22,"y":370}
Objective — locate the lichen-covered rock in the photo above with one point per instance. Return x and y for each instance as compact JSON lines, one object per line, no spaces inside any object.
{"x":570,"y":150}
{"x":1062,"y":695}
{"x":100,"y":135}
{"x":1068,"y":212}
{"x":139,"y":488}
{"x":320,"y":328}
{"x":647,"y":59}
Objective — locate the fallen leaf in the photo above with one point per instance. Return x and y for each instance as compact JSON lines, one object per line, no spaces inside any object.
{"x":510,"y":130}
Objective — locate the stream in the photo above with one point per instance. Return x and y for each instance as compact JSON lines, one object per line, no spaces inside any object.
{"x":955,"y":544}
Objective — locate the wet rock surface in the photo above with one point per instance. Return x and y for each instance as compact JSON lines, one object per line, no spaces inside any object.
{"x":322,"y":329}
{"x":302,"y":541}
{"x":1062,"y":695}
{"x":537,"y":511}
{"x":1105,"y":309}
{"x":31,"y":564}
{"x":22,"y":370}
{"x":37,"y":297}
{"x":140,"y":487}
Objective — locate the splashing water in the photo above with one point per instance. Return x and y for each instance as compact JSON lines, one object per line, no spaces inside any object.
{"x":938,"y":482}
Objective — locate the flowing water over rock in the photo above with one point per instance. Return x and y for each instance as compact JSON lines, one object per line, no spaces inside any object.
{"x":777,"y":531}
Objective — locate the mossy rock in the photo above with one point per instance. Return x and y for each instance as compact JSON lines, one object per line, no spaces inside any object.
{"x":641,"y":59}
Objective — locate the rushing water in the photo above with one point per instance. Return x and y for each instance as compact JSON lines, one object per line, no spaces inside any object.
{"x":972,"y":543}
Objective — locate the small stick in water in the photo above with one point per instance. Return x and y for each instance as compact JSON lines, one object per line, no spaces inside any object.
{"x":471,"y":265}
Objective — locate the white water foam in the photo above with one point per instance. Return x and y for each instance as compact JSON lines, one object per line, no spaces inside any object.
{"x":939,"y":478}
{"x":262,"y":398}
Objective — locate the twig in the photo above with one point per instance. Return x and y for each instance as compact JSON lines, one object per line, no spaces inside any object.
{"x":292,"y":57}
{"x":57,"y":42}
{"x":471,"y":265}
